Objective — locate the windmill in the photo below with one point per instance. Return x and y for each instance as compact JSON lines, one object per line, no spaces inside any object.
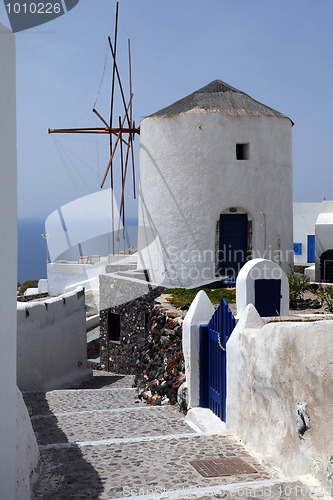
{"x":124,"y":133}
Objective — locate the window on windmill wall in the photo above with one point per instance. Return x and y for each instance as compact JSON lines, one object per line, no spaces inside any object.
{"x":243,"y":151}
{"x":114,"y":327}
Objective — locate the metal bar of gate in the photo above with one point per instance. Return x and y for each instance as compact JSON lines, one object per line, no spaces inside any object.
{"x":204,"y":375}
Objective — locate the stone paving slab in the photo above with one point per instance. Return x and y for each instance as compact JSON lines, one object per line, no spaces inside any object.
{"x":133,"y":455}
{"x":106,"y":380}
{"x":41,"y":403}
{"x":120,"y":423}
{"x":121,"y":469}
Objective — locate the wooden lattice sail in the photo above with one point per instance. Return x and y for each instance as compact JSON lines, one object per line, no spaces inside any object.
{"x":124,"y":133}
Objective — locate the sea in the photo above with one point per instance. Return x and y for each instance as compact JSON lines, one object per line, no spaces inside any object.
{"x":31,"y":263}
{"x":32,"y":250}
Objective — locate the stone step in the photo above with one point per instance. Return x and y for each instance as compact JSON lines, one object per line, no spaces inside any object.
{"x":137,"y":467}
{"x":69,"y":400}
{"x":126,"y":423}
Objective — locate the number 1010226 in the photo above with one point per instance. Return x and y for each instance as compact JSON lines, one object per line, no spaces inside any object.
{"x":33,"y":8}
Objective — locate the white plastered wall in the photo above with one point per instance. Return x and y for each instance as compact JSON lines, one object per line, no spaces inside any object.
{"x":270,"y":370}
{"x":8,"y":262}
{"x":260,"y":269}
{"x":52,"y":343}
{"x":199,"y":313}
{"x":304,"y":218}
{"x":189,"y":175}
{"x":324,"y":234}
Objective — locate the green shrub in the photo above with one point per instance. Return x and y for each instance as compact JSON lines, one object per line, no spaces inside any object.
{"x":27,"y":284}
{"x":181,"y":296}
{"x":325,"y":295}
{"x":297,"y":286}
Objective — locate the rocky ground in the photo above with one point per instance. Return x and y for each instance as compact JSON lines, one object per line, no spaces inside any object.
{"x":309,"y":304}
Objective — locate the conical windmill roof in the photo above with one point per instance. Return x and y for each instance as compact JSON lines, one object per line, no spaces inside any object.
{"x":220,"y":96}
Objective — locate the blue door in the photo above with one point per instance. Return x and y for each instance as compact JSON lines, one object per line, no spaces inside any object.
{"x":267,"y":297}
{"x":311,"y":248}
{"x":232,"y":244}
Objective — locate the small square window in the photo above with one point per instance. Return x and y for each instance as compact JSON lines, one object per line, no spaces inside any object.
{"x":243,"y":151}
{"x":297,"y":248}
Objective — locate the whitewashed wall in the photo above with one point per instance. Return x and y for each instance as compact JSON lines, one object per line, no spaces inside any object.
{"x":8,"y":262}
{"x":66,"y":276}
{"x":199,"y":313}
{"x":324,"y":233}
{"x":60,"y":276}
{"x":27,"y":452}
{"x":304,"y":218}
{"x":260,"y":269}
{"x":189,"y":175}
{"x":270,"y":370}
{"x":52,"y":343}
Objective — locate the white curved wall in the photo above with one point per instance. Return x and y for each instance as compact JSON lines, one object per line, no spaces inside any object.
{"x":8,"y":262}
{"x":189,"y":175}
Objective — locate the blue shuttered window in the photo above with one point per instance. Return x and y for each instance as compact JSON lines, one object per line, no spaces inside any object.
{"x":311,"y":248}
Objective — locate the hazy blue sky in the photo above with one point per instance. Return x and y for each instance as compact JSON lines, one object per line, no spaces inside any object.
{"x":278,"y":52}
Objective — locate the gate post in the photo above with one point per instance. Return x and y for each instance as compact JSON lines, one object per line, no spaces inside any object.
{"x":204,"y":385}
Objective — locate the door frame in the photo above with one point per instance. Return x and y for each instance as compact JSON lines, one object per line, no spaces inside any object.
{"x":231,"y":211}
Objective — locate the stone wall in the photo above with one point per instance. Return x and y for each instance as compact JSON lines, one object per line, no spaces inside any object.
{"x":120,"y":356}
{"x":160,"y":367}
{"x":143,"y":337}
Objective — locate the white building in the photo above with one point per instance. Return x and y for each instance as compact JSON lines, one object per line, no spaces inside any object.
{"x":19,"y":450}
{"x":305,"y":216}
{"x":215,"y":187}
{"x":8,"y":262}
{"x":313,"y":239}
{"x":324,"y":244}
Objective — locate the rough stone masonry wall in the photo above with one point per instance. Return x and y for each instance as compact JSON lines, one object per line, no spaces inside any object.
{"x":150,"y":347}
{"x":120,"y":357}
{"x":160,"y":367}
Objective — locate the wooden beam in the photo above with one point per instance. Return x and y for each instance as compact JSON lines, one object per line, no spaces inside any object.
{"x":93,"y":130}
{"x":115,"y":146}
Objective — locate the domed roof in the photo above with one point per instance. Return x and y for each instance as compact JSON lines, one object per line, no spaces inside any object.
{"x":219,"y":96}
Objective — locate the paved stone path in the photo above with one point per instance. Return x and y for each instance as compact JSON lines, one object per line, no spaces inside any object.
{"x":99,"y":441}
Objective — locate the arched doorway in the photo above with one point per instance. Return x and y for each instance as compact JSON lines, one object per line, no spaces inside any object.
{"x":233,"y":230}
{"x":326,"y":266}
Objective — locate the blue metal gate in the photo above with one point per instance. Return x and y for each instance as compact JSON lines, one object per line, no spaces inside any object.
{"x":213,"y":341}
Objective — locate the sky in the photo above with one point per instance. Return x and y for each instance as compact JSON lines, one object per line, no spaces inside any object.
{"x":280,"y":53}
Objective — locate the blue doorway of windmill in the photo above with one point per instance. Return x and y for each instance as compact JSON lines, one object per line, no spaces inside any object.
{"x":232,"y":244}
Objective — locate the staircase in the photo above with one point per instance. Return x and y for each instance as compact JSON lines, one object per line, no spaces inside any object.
{"x":98,"y":441}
